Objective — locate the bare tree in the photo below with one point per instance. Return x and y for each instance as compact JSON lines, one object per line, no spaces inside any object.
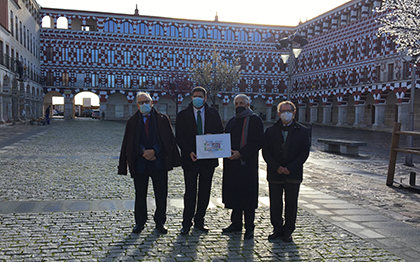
{"x":178,"y":85}
{"x":216,"y":74}
{"x":402,"y":22}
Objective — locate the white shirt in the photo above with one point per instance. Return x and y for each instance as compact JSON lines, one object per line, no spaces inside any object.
{"x":202,"y":116}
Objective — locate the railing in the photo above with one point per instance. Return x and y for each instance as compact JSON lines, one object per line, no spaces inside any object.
{"x":396,"y":133}
{"x":16,"y":66}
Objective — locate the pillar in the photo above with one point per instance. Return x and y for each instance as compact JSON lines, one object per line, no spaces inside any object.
{"x":314,"y":114}
{"x":379,"y":116}
{"x":359,"y":115}
{"x":225,"y":112}
{"x":268,"y":112}
{"x":404,"y":115}
{"x":68,"y":107}
{"x":2,"y":121}
{"x":326,"y":114}
{"x":342,"y":115}
{"x":302,"y":113}
{"x":130,"y":108}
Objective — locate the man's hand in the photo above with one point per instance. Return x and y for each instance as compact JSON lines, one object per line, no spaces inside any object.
{"x":235,"y":155}
{"x":149,"y":154}
{"x":193,"y":156}
{"x":283,"y":170}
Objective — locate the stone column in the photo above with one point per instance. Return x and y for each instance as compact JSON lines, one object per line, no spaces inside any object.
{"x":359,"y":116}
{"x":314,"y":114}
{"x":342,"y":115}
{"x":225,"y":111}
{"x":327,"y":114}
{"x":102,"y":108}
{"x":268,"y":112}
{"x":379,"y":116}
{"x":302,"y":113}
{"x":68,"y":107}
{"x":404,"y":115}
{"x":2,"y":121}
{"x":130,"y":108}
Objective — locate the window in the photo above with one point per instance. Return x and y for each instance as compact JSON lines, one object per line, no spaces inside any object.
{"x":95,"y":80}
{"x":187,"y":32}
{"x":24,"y":36}
{"x":50,"y":78}
{"x":65,"y":79}
{"x":202,"y":33}
{"x":243,"y":36}
{"x":94,"y":55}
{"x":80,"y":55}
{"x":390,"y":72}
{"x":172,"y":59}
{"x":110,"y":26}
{"x":111,"y":56}
{"x":111,"y":80}
{"x":173,"y":31}
{"x":142,"y":58}
{"x":215,"y":34}
{"x":366,"y":47}
{"x":355,"y":50}
{"x":158,"y":59}
{"x":406,"y":70}
{"x":378,"y":73}
{"x":50,"y":53}
{"x":64,"y":54}
{"x":229,"y":35}
{"x":126,"y":28}
{"x":256,"y":37}
{"x":127,"y":57}
{"x":127,"y":81}
{"x":80,"y":80}
{"x":11,"y":23}
{"x":187,"y":60}
{"x":142,"y":29}
{"x":142,"y":82}
{"x":158,"y":80}
{"x":157,"y":30}
{"x":20,"y":33}
{"x":256,"y":63}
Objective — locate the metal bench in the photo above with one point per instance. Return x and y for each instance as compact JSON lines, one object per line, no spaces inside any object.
{"x":349,"y":147}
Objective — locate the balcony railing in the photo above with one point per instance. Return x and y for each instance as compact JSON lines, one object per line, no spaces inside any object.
{"x":17,"y":67}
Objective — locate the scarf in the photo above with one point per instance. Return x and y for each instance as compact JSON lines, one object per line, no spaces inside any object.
{"x":247,"y":113}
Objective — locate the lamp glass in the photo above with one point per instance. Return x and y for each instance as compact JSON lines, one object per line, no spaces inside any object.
{"x":296,"y":51}
{"x":284,"y":57}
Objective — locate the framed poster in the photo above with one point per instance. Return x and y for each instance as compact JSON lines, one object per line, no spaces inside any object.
{"x":213,"y":146}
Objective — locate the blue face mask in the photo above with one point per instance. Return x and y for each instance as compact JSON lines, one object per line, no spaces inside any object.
{"x":145,"y":108}
{"x":198,"y":102}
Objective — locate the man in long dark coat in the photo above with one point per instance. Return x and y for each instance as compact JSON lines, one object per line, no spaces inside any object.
{"x":240,"y":170}
{"x":285,"y":150}
{"x":197,"y":119}
{"x":149,"y":149}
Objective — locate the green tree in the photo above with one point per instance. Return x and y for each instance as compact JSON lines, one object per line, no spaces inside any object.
{"x":216,"y":74}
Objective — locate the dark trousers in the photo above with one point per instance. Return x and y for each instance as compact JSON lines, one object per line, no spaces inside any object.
{"x":160,"y":187}
{"x":291,"y":193}
{"x":195,"y":204}
{"x":249,"y":216}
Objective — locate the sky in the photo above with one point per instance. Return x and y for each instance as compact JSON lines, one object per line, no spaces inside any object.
{"x":268,"y":12}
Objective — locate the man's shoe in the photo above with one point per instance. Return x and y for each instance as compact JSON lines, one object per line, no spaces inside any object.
{"x":201,"y":227}
{"x":274,"y":235}
{"x":138,"y":228}
{"x":185,"y":231}
{"x":287,"y":238}
{"x":249,"y":234}
{"x":162,"y":229}
{"x":232,"y":228}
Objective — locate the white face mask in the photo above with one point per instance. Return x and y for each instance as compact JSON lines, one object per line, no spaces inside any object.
{"x":286,"y":117}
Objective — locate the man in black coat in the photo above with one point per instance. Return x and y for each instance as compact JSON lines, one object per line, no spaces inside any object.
{"x":285,"y":150}
{"x":240,"y":170}
{"x":197,"y":119}
{"x":149,"y":149}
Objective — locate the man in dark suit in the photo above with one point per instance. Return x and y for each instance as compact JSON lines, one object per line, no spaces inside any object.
{"x":285,"y":150}
{"x":197,"y":119}
{"x":149,"y":149}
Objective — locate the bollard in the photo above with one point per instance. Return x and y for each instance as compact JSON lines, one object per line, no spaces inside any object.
{"x":412,"y":178}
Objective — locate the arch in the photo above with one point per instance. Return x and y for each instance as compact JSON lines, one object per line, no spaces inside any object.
{"x":110,"y":26}
{"x":256,"y":37}
{"x":117,"y":107}
{"x":62,"y":23}
{"x":157,"y":29}
{"x":47,"y":22}
{"x":76,"y":24}
{"x":166,"y":106}
{"x":173,"y":31}
{"x":126,"y":28}
{"x":243,"y":36}
{"x":91,"y":25}
{"x":187,"y":32}
{"x":258,"y":106}
{"x":142,"y":29}
{"x":229,"y":35}
{"x":215,"y":34}
{"x":201,"y":33}
{"x":391,"y":109}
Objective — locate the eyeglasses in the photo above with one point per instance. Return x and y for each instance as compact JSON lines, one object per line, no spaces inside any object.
{"x":144,"y":102}
{"x":284,"y":111}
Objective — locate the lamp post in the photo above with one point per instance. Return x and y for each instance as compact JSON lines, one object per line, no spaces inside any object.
{"x":293,"y":53}
{"x":411,"y":59}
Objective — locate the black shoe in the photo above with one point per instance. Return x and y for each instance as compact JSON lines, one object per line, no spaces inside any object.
{"x":201,"y":227}
{"x":138,"y":228}
{"x":185,"y":231}
{"x":287,"y":238}
{"x":275,"y":235}
{"x":232,"y":228}
{"x":161,"y":228}
{"x":249,"y":234}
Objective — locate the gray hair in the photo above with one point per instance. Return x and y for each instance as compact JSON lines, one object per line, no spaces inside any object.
{"x":286,"y":103}
{"x":246,"y":98}
{"x":143,"y":94}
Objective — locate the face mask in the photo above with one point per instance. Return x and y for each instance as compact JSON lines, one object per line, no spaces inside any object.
{"x":198,"y":102}
{"x":239,"y":109}
{"x":286,"y":117}
{"x":145,"y":108}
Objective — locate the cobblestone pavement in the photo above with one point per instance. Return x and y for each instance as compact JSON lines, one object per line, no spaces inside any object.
{"x":74,"y":163}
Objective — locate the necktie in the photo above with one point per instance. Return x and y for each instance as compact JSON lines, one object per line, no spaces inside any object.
{"x":146,"y":126}
{"x":199,"y":123}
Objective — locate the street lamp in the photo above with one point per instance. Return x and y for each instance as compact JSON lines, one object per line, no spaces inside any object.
{"x":294,"y":52}
{"x":412,"y":60}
